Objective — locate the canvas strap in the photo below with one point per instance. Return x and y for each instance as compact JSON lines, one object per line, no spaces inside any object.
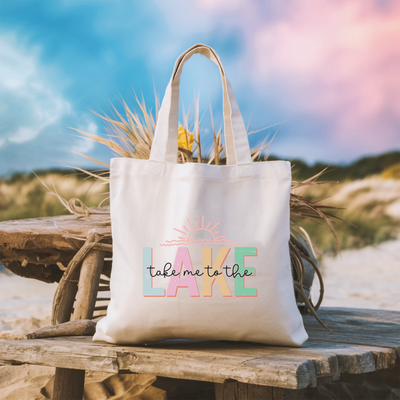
{"x":165,"y":143}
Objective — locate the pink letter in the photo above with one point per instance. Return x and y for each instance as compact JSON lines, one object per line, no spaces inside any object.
{"x":183,"y":266}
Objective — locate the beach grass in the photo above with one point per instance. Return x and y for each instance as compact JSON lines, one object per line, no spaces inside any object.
{"x":27,"y":195}
{"x":371,"y":211}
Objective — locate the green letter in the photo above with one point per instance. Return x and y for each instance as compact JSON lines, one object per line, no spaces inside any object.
{"x":240,"y":253}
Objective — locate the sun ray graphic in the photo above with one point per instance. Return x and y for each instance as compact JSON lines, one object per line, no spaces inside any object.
{"x":199,"y":235}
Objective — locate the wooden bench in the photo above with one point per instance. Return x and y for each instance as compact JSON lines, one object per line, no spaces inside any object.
{"x":365,"y":341}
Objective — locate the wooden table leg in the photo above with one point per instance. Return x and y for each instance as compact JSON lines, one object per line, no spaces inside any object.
{"x":69,"y":383}
{"x":88,"y":285}
{"x":64,"y":299}
{"x":234,"y":390}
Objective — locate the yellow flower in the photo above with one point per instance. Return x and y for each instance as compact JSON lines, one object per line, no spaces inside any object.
{"x":183,"y":138}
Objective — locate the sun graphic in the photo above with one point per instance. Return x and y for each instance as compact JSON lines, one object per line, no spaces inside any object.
{"x":199,"y":234}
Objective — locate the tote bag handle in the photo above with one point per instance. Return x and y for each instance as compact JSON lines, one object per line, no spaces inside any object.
{"x":165,"y":142}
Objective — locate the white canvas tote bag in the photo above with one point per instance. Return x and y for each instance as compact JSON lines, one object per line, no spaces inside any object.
{"x":200,"y":251}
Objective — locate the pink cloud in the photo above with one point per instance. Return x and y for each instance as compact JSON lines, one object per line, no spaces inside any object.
{"x":336,"y":60}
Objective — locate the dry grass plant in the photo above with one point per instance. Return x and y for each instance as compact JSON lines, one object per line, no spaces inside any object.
{"x":131,"y":136}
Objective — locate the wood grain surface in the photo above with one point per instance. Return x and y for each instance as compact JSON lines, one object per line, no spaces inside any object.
{"x":33,"y":247}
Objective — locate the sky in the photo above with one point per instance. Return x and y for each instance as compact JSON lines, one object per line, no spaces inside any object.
{"x":323,"y":75}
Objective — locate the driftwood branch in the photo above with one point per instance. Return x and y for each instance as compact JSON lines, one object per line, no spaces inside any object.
{"x":83,"y":327}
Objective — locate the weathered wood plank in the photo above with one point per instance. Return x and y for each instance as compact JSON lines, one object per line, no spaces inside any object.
{"x":64,"y":353}
{"x":207,"y":361}
{"x":33,"y":247}
{"x":52,"y":229}
{"x":357,"y":326}
{"x":330,"y":360}
{"x":333,"y":359}
{"x":80,"y":353}
{"x":290,"y":372}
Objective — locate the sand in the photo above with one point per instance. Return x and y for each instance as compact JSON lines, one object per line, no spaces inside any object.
{"x":24,"y":303}
{"x":365,"y":278}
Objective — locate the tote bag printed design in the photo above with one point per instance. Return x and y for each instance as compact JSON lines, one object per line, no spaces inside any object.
{"x":187,"y":236}
{"x":200,"y":251}
{"x":181,"y":273}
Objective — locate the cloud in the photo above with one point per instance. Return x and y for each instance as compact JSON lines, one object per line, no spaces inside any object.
{"x":83,"y":145}
{"x":30,"y":102}
{"x":338,"y":61}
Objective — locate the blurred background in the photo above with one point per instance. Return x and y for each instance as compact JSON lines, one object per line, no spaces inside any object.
{"x":322,"y":76}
